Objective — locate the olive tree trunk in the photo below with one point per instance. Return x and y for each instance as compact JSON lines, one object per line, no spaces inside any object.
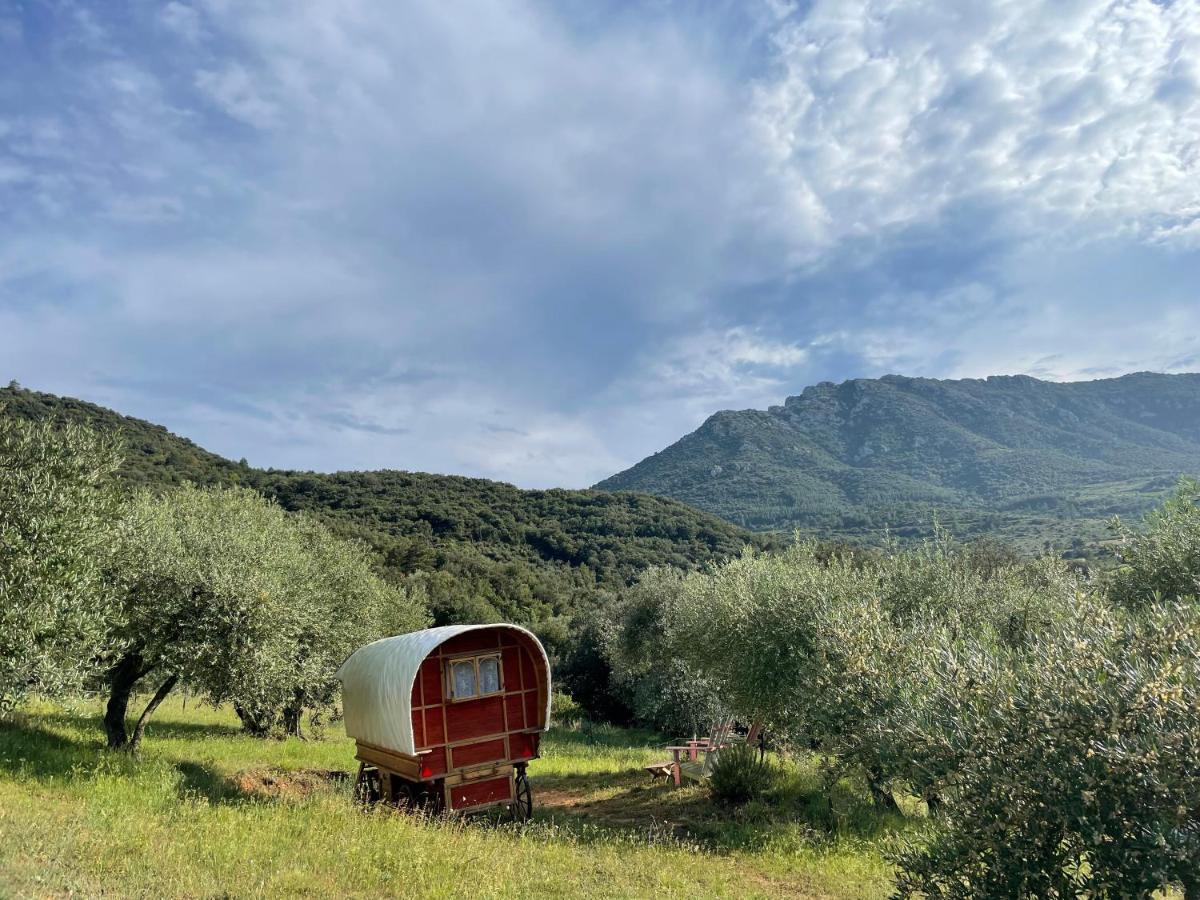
{"x":159,"y":696}
{"x":122,"y":679}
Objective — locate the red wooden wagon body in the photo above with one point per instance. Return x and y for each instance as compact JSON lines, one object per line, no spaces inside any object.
{"x":448,"y":717}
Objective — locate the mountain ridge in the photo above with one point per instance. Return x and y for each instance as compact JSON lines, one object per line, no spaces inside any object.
{"x":990,"y":455}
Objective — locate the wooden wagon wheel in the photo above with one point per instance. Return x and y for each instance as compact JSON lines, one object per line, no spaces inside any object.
{"x":406,"y":796}
{"x":433,"y":798}
{"x":368,"y":787}
{"x":523,"y":801}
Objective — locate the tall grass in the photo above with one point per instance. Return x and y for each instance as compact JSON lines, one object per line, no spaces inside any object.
{"x":178,"y":821}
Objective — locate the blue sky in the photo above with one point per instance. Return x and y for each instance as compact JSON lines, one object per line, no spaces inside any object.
{"x":538,"y":241}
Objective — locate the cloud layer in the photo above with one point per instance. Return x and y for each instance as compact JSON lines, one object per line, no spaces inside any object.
{"x":537,"y":242}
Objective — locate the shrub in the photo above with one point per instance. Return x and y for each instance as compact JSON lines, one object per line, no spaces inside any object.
{"x":1074,"y":764}
{"x":564,"y":710}
{"x":739,"y":775}
{"x":1163,"y":560}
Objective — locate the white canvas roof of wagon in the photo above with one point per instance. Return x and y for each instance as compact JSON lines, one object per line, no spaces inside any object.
{"x":377,"y":682}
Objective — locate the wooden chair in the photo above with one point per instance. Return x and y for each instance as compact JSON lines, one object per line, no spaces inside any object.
{"x":695,"y":758}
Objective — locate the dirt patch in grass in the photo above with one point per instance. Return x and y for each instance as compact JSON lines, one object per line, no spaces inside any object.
{"x":625,"y":800}
{"x":286,"y":784}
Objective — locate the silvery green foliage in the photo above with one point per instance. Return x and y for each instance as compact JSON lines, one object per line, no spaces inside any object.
{"x":659,"y":686}
{"x":1076,"y":761}
{"x":1162,"y":560}
{"x":245,"y":602}
{"x":338,"y":604}
{"x":56,"y":514}
{"x":836,"y":652}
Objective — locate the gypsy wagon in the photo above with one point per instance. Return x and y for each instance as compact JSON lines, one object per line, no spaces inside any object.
{"x":448,"y":717}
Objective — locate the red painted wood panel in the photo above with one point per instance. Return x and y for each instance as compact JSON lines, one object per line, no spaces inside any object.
{"x":435,"y":729}
{"x":516,"y":712}
{"x":528,"y":679}
{"x":511,"y":662}
{"x":474,"y":718}
{"x":433,"y":763}
{"x":475,"y":754}
{"x":472,"y":640}
{"x":475,"y":793}
{"x":431,"y":681}
{"x":418,"y":729}
{"x":522,"y":746}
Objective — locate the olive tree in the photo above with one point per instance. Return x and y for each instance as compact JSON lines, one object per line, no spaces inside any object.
{"x":57,"y":509}
{"x":661,"y":688}
{"x":803,"y":644}
{"x":339,"y":604}
{"x":1075,"y":762}
{"x":246,"y":603}
{"x":835,"y":651}
{"x":1161,"y":560}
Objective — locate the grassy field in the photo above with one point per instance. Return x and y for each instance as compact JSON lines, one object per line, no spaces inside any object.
{"x":207,"y":811}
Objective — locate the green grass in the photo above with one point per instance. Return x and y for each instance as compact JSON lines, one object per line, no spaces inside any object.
{"x":208,"y":811}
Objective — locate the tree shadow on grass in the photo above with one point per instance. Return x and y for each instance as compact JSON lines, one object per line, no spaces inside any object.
{"x":629,"y":803}
{"x":607,"y":737}
{"x":163,"y":727}
{"x":27,"y":749}
{"x":197,"y":780}
{"x":30,"y":750}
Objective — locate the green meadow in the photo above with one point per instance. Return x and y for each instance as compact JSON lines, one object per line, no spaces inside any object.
{"x":205,"y":810}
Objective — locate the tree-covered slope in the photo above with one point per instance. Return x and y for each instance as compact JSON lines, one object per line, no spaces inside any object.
{"x":474,"y":548}
{"x":1012,"y":456}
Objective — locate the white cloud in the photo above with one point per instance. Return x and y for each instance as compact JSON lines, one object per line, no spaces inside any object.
{"x":480,"y":237}
{"x":722,"y":361}
{"x":238,"y":92}
{"x":182,"y":20}
{"x":1081,"y":114}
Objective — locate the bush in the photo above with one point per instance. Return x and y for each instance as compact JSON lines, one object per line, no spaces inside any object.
{"x":1162,"y":561}
{"x":564,"y":710}
{"x":1074,"y":763}
{"x":740,"y":775}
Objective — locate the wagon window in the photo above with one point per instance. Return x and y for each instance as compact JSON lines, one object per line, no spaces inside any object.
{"x":475,"y":676}
{"x":462,"y":679}
{"x":489,"y":674}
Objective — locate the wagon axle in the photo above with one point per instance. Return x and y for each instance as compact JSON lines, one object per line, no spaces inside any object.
{"x":369,"y":789}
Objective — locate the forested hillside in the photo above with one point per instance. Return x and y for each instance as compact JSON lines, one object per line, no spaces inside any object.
{"x":473,"y":549}
{"x":1014,"y":457}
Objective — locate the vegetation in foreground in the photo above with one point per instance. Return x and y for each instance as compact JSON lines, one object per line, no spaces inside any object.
{"x":1048,"y":719}
{"x":208,"y":810}
{"x":1049,"y":722}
